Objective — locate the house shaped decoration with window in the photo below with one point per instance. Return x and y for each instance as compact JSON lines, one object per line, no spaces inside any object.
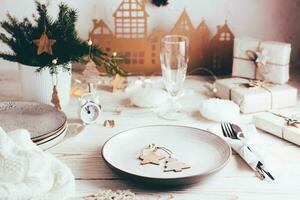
{"x":183,"y":25}
{"x":199,"y":40}
{"x":140,"y":49}
{"x":222,"y":50}
{"x":102,"y":35}
{"x":131,"y":20}
{"x":202,"y":38}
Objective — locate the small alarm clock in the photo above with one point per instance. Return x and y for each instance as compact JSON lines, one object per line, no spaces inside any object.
{"x":90,"y":110}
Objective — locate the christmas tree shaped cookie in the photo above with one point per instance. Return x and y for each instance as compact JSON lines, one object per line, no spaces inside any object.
{"x":173,"y":164}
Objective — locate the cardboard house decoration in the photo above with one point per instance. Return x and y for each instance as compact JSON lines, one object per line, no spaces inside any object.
{"x":199,"y":39}
{"x":222,"y":50}
{"x":131,"y":39}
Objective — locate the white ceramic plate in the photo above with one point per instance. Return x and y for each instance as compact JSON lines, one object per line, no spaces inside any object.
{"x":51,"y":137}
{"x":54,"y":141}
{"x":39,"y":119}
{"x":204,"y":151}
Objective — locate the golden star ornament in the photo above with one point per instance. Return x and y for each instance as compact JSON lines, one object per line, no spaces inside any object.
{"x":44,"y":44}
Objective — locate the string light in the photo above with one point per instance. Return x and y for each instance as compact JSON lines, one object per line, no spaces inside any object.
{"x":54,"y":61}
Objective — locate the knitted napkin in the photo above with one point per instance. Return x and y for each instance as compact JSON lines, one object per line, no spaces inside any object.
{"x":28,"y":173}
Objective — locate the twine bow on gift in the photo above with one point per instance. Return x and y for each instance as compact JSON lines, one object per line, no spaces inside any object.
{"x":293,"y":122}
{"x":264,"y":60}
{"x":253,"y":84}
{"x":289,"y":121}
{"x":260,"y":59}
{"x":256,"y":84}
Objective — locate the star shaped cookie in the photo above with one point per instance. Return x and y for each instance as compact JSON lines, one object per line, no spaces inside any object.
{"x":44,"y":44}
{"x":151,"y":158}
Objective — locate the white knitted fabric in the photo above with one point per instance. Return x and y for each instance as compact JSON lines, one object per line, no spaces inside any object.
{"x":28,"y":173}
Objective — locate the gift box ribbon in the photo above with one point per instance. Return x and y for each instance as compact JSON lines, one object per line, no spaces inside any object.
{"x":260,"y":59}
{"x":279,"y":125}
{"x":289,"y":121}
{"x":253,"y":84}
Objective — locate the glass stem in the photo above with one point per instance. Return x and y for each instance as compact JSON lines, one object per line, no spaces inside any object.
{"x":175,"y":104}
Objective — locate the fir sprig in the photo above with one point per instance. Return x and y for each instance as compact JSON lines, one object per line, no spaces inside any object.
{"x":68,"y":47}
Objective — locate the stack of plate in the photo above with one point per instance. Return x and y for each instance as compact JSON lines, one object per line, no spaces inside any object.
{"x":46,"y":125}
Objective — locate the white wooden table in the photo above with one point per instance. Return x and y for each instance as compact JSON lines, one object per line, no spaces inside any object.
{"x":81,"y":152}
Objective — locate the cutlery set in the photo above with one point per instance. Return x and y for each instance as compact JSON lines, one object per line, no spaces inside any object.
{"x":235,"y":134}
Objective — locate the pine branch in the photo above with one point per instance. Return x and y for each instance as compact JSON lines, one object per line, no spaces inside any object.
{"x":4,"y":38}
{"x":10,"y":25}
{"x":44,"y":20}
{"x":9,"y":57}
{"x":68,"y":47}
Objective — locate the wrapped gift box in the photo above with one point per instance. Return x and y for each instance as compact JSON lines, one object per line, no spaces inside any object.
{"x":277,"y":126}
{"x":256,"y":99}
{"x":277,"y":57}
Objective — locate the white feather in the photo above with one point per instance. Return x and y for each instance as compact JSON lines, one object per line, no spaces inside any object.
{"x":220,"y":110}
{"x":149,"y":98}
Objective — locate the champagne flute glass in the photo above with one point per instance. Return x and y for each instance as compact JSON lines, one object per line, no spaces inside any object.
{"x":174,"y":57}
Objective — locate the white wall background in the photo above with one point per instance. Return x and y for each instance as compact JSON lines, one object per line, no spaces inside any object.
{"x":265,"y":19}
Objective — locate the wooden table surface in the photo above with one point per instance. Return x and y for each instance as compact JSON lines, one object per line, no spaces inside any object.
{"x":81,"y":151}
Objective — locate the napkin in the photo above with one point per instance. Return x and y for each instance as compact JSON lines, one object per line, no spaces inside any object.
{"x":251,"y":157}
{"x":28,"y":173}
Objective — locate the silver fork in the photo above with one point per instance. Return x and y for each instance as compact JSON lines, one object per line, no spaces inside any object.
{"x":229,"y":131}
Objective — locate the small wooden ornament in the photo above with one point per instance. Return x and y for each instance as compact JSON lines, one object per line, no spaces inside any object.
{"x":109,"y":123}
{"x":173,"y":164}
{"x":91,"y":63}
{"x":55,"y":98}
{"x":151,"y":158}
{"x":44,"y":44}
{"x":118,"y":83}
{"x":91,"y":74}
